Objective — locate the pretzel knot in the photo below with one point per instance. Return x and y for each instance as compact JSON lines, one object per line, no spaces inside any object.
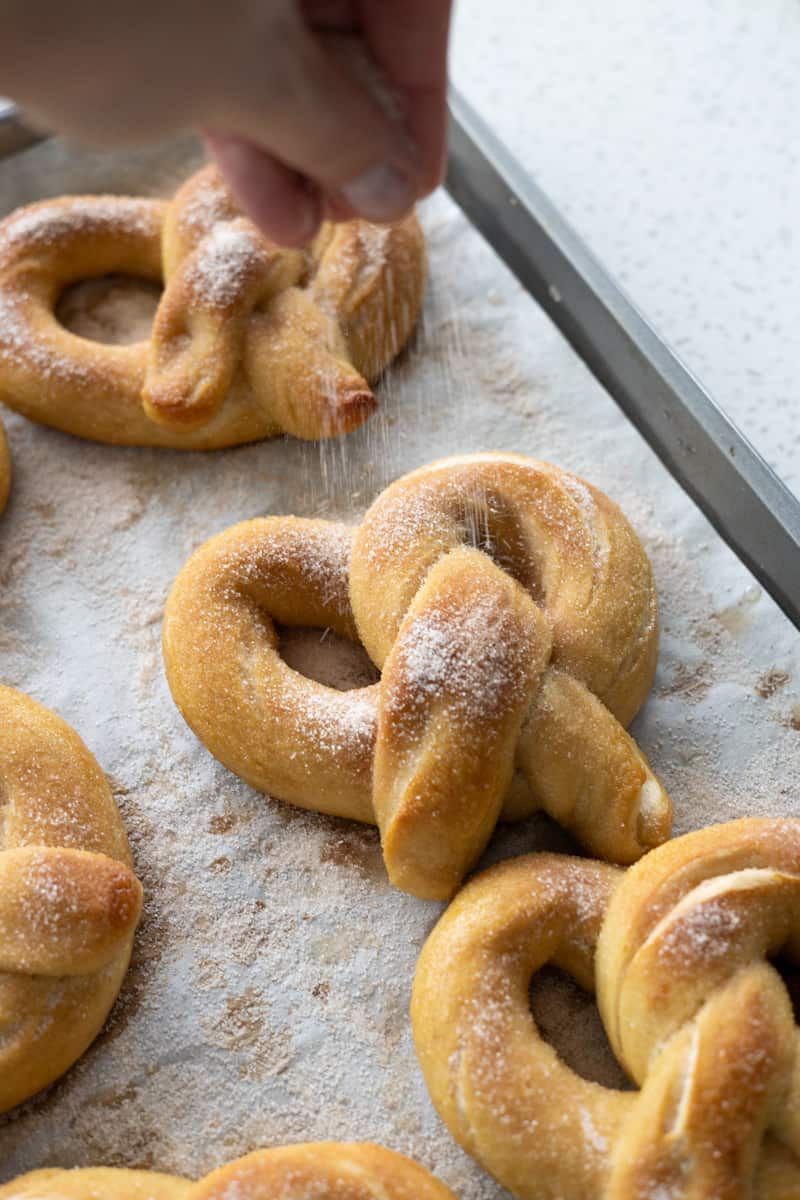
{"x":512,"y":612}
{"x":680,"y":949}
{"x":69,"y":902}
{"x":346,"y":1171}
{"x":249,"y":340}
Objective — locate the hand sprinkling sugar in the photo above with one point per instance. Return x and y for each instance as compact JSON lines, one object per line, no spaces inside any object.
{"x":312,"y":108}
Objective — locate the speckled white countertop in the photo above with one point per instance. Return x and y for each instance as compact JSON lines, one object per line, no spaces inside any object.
{"x":667,"y":134}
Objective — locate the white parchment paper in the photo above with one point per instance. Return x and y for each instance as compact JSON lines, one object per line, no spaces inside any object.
{"x":268,"y":997}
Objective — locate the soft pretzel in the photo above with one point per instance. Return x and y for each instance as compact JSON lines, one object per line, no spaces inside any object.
{"x":511,"y":608}
{"x":680,"y":947}
{"x":249,"y":340}
{"x":96,"y":1183}
{"x":346,"y":1171}
{"x":69,"y":901}
{"x":5,"y":468}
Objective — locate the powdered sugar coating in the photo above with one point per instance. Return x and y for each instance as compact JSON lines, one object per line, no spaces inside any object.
{"x":209,"y":204}
{"x":223,"y":263}
{"x":474,"y":668}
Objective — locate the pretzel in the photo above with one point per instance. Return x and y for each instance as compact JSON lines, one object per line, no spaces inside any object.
{"x":5,"y":468}
{"x":507,"y":669}
{"x":346,"y":1171}
{"x":69,"y":902}
{"x":249,"y":340}
{"x":96,"y":1183}
{"x":679,"y":948}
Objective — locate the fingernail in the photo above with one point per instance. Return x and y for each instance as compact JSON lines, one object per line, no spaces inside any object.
{"x":381,"y":194}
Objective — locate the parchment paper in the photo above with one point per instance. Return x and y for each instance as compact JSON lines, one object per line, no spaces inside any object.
{"x":268,"y":997}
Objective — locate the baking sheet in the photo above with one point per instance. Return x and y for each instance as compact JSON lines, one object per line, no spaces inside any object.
{"x":268,"y":997}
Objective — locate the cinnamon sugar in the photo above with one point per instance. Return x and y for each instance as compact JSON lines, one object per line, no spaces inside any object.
{"x":114,"y":310}
{"x":326,"y":657}
{"x":771,"y":682}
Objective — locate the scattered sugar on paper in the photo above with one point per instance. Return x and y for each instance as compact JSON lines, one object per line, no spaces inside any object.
{"x":114,"y":310}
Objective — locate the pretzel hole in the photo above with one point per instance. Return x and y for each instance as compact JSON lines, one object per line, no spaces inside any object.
{"x":568,"y":1020}
{"x":324,"y":656}
{"x":489,"y":525}
{"x":114,"y":309}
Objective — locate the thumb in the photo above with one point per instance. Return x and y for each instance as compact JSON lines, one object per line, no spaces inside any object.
{"x":282,"y":203}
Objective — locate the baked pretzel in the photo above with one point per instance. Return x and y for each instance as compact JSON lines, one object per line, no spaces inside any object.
{"x":249,"y":340}
{"x":680,"y":948}
{"x":69,"y":901}
{"x":5,"y":468}
{"x":512,"y":610}
{"x":96,"y":1183}
{"x":346,"y":1171}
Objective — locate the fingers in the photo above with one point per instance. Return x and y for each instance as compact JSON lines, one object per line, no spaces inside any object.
{"x":272,"y":74}
{"x":277,"y":199}
{"x":427,"y":124}
{"x":341,"y":15}
{"x":409,"y":40}
{"x":314,"y":116}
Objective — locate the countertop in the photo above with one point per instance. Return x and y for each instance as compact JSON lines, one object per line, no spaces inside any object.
{"x":667,"y":134}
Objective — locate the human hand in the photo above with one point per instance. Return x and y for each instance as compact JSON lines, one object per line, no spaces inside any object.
{"x":312,"y":108}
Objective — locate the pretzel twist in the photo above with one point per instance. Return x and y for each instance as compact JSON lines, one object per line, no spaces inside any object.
{"x":69,"y":902}
{"x":5,"y":468}
{"x":679,"y":947}
{"x":348,"y":1171}
{"x":507,"y":669}
{"x":249,"y":340}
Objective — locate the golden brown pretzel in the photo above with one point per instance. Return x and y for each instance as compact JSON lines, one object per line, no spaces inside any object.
{"x":69,"y":902}
{"x":249,"y":340}
{"x":5,"y":468}
{"x":506,"y":675}
{"x":346,"y":1171}
{"x":679,"y":947}
{"x":96,"y":1183}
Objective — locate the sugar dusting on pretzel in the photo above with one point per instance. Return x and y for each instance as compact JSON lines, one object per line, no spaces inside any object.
{"x":249,"y":340}
{"x":69,"y":901}
{"x":309,"y":1171}
{"x":681,"y":950}
{"x":512,"y":612}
